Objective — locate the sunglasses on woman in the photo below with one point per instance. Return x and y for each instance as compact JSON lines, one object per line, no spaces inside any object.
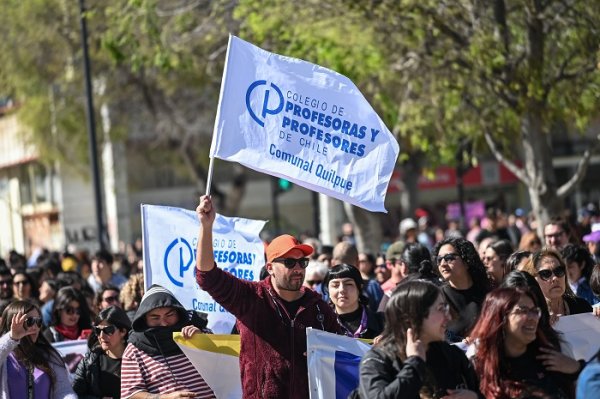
{"x":71,"y":310}
{"x":448,"y":258}
{"x":546,"y":274}
{"x":108,"y":330}
{"x":31,"y":321}
{"x":290,"y":263}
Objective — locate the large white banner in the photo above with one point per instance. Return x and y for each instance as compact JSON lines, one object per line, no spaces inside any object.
{"x":72,"y":352}
{"x":302,"y":122}
{"x":170,"y":237}
{"x":582,"y":333}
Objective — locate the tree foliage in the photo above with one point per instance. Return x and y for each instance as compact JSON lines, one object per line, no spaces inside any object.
{"x":500,"y":74}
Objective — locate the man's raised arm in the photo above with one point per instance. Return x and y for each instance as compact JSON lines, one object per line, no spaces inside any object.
{"x":205,"y":259}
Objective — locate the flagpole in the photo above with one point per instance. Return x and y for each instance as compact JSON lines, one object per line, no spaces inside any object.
{"x":210,"y":174}
{"x":214,"y":145}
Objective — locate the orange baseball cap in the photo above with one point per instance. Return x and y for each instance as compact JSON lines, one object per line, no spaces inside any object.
{"x":283,"y":244}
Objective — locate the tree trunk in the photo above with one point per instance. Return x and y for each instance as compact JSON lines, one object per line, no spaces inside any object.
{"x":411,"y":171}
{"x":238,"y":190}
{"x":367,"y":228}
{"x":538,"y":166}
{"x":537,"y":151}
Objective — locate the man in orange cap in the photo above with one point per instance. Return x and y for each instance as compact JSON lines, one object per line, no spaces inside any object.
{"x":272,"y":314}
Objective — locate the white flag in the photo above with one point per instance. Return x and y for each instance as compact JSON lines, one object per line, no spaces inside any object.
{"x":299,"y":121}
{"x":333,"y":363}
{"x":169,"y":238}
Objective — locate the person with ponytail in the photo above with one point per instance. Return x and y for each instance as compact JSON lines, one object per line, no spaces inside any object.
{"x":412,"y":359}
{"x":29,"y":366}
{"x":514,"y":357}
{"x":417,"y":259}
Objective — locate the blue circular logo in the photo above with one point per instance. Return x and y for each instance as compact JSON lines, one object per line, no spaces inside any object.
{"x":264,"y":108}
{"x":179,"y":256}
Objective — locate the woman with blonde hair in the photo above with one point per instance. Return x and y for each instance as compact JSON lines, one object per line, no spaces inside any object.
{"x":132,"y":293}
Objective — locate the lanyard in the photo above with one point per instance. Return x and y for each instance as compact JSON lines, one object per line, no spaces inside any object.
{"x":361,"y":328}
{"x":30,"y":382}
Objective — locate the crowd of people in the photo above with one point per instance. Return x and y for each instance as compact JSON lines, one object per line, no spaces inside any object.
{"x":451,"y":316}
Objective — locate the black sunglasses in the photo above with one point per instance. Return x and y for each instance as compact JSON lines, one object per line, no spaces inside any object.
{"x":289,"y":263}
{"x":110,"y":299}
{"x":546,"y":274}
{"x":108,"y":330}
{"x":448,"y":258}
{"x":71,"y":310}
{"x":30,"y":321}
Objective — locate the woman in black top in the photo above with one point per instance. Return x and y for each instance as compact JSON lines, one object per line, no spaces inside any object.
{"x":466,"y":283}
{"x":412,"y":359}
{"x":343,"y":285}
{"x":99,"y":373}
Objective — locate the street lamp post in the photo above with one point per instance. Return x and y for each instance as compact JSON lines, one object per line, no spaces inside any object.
{"x":91,"y":127}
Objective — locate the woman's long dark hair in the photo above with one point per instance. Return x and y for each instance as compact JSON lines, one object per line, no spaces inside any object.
{"x":471,"y":259}
{"x":407,"y":308}
{"x":63,"y":298}
{"x":38,"y":354}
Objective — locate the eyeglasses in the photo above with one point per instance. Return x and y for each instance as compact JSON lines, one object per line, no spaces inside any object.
{"x":534,"y":313}
{"x":289,"y":263}
{"x":111,"y":299}
{"x":71,"y":310}
{"x":555,"y":235}
{"x":546,"y":274}
{"x":444,"y":308}
{"x":451,"y":257}
{"x":24,"y":282}
{"x":30,"y":321}
{"x":108,"y":330}
{"x":313,"y":282}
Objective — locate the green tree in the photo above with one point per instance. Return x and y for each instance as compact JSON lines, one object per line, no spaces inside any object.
{"x":500,"y":72}
{"x":156,"y":67}
{"x":343,"y":36}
